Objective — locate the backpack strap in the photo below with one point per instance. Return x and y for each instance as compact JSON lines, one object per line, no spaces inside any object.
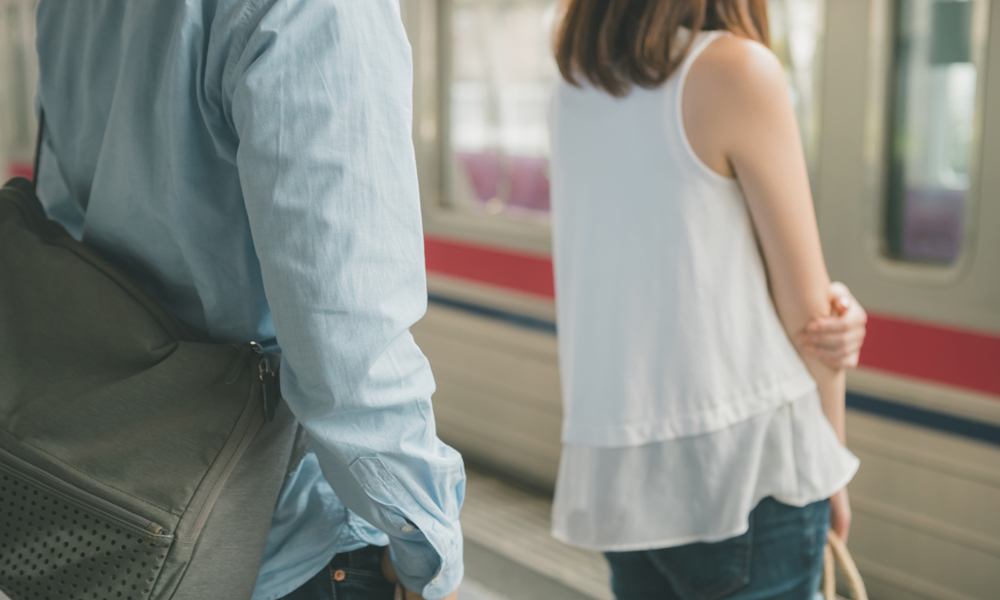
{"x":38,"y":150}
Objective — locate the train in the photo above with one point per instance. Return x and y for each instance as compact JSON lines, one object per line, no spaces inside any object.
{"x":898,"y":103}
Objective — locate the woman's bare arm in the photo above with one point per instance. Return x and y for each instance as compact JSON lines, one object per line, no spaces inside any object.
{"x":740,"y":121}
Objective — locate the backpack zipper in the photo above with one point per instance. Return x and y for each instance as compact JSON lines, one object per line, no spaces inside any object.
{"x":21,"y":468}
{"x":269,"y":383}
{"x":249,"y":423}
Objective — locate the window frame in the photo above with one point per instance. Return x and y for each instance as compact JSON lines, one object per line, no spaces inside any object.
{"x":813,"y":150}
{"x":429,"y":25}
{"x":878,"y":128}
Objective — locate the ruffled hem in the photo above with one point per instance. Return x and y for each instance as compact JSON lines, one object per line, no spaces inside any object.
{"x":677,"y":426}
{"x":699,"y":488}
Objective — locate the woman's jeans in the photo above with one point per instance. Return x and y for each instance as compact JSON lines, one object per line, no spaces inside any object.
{"x":355,"y":575}
{"x":780,"y":557}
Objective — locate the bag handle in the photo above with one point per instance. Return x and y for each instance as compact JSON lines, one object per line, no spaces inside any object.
{"x":38,"y":151}
{"x":835,"y":554}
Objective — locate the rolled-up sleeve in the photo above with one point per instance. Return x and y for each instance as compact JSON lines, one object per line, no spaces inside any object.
{"x":320,"y":100}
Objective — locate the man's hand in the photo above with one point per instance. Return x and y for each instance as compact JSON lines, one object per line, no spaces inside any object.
{"x":840,"y":514}
{"x":837,"y":339}
{"x":390,"y":573}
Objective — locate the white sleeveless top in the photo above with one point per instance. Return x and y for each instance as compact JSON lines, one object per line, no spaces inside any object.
{"x":666,"y":325}
{"x":685,"y":403}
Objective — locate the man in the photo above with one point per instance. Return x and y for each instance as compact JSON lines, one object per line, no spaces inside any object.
{"x":249,"y":164}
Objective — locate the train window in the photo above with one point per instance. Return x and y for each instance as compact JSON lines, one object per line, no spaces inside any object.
{"x":501,"y":73}
{"x":931,"y":129}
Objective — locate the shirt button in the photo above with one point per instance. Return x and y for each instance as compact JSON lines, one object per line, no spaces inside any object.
{"x":406,"y":528}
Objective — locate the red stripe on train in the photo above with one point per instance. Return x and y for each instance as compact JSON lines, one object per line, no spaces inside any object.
{"x":931,"y":352}
{"x":21,"y":169}
{"x":521,"y":271}
{"x":952,"y":356}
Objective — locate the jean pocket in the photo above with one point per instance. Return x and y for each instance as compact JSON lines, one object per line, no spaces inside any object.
{"x":707,"y":571}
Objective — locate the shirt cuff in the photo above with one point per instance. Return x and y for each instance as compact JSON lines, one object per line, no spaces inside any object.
{"x":445,"y":580}
{"x":426,"y":547}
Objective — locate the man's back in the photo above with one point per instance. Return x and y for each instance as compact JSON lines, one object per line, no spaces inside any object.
{"x":139,"y":101}
{"x":249,"y":163}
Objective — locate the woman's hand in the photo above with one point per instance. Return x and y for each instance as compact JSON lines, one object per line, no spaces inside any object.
{"x":840,"y":514}
{"x":837,"y":339}
{"x":390,"y":573}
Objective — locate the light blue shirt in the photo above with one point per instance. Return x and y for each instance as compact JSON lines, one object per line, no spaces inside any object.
{"x":250,"y":164}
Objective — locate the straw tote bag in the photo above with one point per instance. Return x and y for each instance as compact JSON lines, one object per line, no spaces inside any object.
{"x":836,"y":554}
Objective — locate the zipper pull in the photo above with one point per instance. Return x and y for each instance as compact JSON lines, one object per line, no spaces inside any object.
{"x":269,"y":387}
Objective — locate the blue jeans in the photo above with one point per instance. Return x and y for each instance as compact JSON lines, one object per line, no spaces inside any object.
{"x":355,"y":575}
{"x":780,"y":557}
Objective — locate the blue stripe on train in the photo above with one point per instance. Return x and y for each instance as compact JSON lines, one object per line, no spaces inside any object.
{"x":930,"y":419}
{"x":495,"y":314}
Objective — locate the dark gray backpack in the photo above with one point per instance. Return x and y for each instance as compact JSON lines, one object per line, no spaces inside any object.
{"x":138,"y":460}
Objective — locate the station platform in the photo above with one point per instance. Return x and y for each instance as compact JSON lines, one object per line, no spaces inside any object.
{"x":509,"y":554}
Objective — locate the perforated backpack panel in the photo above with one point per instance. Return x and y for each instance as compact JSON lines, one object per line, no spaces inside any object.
{"x":69,"y":551}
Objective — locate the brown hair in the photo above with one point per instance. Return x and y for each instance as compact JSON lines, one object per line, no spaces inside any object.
{"x":617,"y":43}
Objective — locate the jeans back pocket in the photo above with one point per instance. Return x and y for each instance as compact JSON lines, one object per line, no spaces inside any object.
{"x":707,"y":571}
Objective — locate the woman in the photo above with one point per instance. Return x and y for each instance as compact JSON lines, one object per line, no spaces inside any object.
{"x":703,"y":430}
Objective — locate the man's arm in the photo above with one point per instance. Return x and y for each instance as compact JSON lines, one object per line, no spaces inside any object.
{"x":321,"y":103}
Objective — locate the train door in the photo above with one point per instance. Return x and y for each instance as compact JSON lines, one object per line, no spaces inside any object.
{"x":483,"y":75}
{"x":907,"y":195}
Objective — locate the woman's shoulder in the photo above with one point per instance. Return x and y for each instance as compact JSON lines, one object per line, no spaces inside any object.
{"x":735,"y":92}
{"x":736,"y":71}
